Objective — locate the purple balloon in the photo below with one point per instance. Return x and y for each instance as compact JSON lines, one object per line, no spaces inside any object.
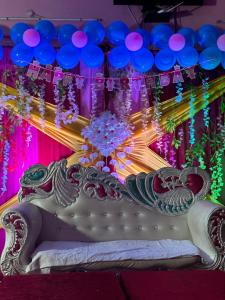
{"x":31,"y":37}
{"x":79,"y":39}
{"x":134,"y":41}
{"x":176,"y":42}
{"x":221,"y":42}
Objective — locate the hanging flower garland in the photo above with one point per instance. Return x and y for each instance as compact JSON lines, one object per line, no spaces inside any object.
{"x":181,"y":134}
{"x":93,"y":101}
{"x":71,"y":114}
{"x":205,"y":96}
{"x":144,"y":105}
{"x":217,"y":175}
{"x":172,"y":158}
{"x":41,"y":105}
{"x":21,"y":97}
{"x":58,"y":102}
{"x":179,"y":92}
{"x":5,"y":166}
{"x":156,"y":118}
{"x":166,"y":141}
{"x":192,"y":120}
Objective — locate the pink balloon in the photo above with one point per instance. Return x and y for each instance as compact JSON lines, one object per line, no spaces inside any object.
{"x":176,"y":42}
{"x":79,"y":39}
{"x":134,"y":41}
{"x":31,"y":37}
{"x":221,"y":42}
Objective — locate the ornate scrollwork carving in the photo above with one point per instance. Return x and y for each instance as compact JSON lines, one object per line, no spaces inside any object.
{"x":64,"y":184}
{"x":175,"y":198}
{"x":10,"y":262}
{"x":216,"y":229}
{"x":102,"y":185}
{"x":55,"y":181}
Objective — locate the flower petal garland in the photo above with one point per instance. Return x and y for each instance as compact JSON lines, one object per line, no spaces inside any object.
{"x":157,"y":117}
{"x":5,"y":166}
{"x":106,"y":133}
{"x":58,"y":102}
{"x":72,"y":113}
{"x":41,"y":105}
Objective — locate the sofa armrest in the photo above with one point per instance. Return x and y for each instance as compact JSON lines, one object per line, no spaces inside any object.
{"x":206,"y":222}
{"x":22,"y":225}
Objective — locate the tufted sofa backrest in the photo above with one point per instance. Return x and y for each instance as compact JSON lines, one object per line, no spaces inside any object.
{"x":83,"y":204}
{"x":89,"y":219}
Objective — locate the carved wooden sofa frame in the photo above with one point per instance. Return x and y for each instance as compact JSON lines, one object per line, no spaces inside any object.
{"x":57,"y":203}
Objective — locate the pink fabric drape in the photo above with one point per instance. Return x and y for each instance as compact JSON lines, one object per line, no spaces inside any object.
{"x":42,"y":149}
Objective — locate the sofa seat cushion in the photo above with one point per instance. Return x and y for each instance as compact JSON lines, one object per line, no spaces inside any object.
{"x":64,"y":254}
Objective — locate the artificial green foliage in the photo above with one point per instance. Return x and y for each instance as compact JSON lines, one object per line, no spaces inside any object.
{"x":197,"y":154}
{"x":176,"y":143}
{"x":170,"y":125}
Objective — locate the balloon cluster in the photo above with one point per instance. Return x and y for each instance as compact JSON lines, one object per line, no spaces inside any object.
{"x":127,"y":47}
{"x":33,"y":43}
{"x":173,"y":47}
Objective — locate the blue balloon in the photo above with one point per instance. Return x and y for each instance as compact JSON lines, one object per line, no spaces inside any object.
{"x":190,"y":36}
{"x":92,"y":56}
{"x":21,"y":55}
{"x":116,"y":32}
{"x":44,"y":53}
{"x":160,"y":35}
{"x":187,"y":57}
{"x":142,"y":60}
{"x":210,"y":58}
{"x":119,"y":57}
{"x":16,"y":32}
{"x":165,"y":59}
{"x":65,"y":33}
{"x":95,"y":32}
{"x":223,"y":60}
{"x":1,"y":52}
{"x":208,"y":35}
{"x":146,"y":36}
{"x":68,"y":56}
{"x":46,"y":29}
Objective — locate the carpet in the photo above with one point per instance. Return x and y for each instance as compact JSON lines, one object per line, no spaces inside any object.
{"x":62,"y":286}
{"x":174,"y":285}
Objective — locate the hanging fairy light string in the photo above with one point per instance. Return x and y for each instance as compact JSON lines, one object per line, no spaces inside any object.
{"x":205,"y":96}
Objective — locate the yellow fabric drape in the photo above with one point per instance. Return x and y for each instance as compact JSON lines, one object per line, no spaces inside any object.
{"x":143,"y":159}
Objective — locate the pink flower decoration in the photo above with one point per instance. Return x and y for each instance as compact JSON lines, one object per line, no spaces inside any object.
{"x":31,"y":37}
{"x":176,"y":42}
{"x":134,"y":41}
{"x":221,"y":42}
{"x":79,"y":39}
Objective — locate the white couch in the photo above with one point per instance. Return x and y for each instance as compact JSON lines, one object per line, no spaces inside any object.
{"x":80,"y":218}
